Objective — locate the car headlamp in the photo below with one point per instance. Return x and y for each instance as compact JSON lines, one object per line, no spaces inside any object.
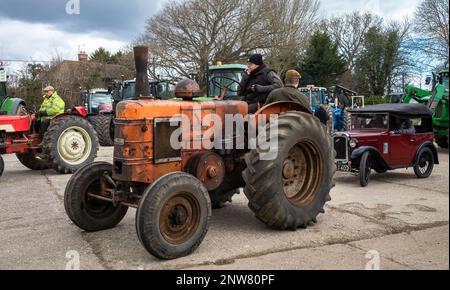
{"x":353,"y":143}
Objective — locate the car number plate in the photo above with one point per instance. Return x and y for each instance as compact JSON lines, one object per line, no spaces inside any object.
{"x":344,"y":167}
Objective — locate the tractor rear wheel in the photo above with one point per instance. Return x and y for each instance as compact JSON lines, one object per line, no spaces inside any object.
{"x":173,"y":216}
{"x":31,"y":161}
{"x":21,"y":110}
{"x":88,"y":213}
{"x":70,"y":143}
{"x":347,"y":121}
{"x":291,"y":190}
{"x":101,"y":124}
{"x":2,"y":165}
{"x":442,"y":142}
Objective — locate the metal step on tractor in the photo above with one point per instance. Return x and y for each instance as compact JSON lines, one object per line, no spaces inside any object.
{"x":174,"y":170}
{"x":68,"y":144}
{"x":437,"y":101}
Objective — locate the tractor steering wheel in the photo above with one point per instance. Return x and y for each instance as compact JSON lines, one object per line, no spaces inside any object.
{"x":221,"y":87}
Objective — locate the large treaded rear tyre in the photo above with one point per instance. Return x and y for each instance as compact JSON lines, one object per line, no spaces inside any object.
{"x":87,"y":213}
{"x":442,"y":142}
{"x":101,"y":124}
{"x":291,"y":191}
{"x":30,"y":161}
{"x":70,"y":143}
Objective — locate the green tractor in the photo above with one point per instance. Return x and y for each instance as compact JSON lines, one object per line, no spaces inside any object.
{"x":8,"y":105}
{"x":224,"y":79}
{"x":437,"y":101}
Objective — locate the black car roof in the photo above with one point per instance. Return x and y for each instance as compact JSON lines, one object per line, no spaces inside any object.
{"x":418,"y":110}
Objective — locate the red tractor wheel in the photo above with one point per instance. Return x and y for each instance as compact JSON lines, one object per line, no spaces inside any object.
{"x":70,"y":143}
{"x":2,"y":165}
{"x":31,"y":161}
{"x":85,"y":211}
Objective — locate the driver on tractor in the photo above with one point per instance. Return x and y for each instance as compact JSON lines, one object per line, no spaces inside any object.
{"x":51,"y":107}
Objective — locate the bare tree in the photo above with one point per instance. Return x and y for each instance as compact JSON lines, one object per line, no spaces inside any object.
{"x":187,"y":36}
{"x":348,"y":31}
{"x":432,"y":28}
{"x":291,"y":24}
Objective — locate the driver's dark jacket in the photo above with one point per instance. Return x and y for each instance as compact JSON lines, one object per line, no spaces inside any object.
{"x":265,"y":79}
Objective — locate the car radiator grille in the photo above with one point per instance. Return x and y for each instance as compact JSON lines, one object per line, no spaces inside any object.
{"x":341,"y":147}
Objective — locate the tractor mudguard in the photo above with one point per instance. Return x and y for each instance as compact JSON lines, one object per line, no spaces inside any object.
{"x":278,"y":108}
{"x":16,"y":103}
{"x":377,"y":159}
{"x":11,"y":105}
{"x":281,"y":107}
{"x":433,"y":149}
{"x":79,"y":111}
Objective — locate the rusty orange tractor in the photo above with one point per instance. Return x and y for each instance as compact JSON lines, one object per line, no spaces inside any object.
{"x":174,"y":188}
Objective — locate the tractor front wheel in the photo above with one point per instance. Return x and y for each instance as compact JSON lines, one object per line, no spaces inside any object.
{"x":290,"y":190}
{"x":2,"y":165}
{"x":70,"y":143}
{"x":87,"y":212}
{"x":173,"y":216}
{"x":31,"y":161}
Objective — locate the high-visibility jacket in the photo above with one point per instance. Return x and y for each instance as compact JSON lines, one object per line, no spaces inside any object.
{"x":54,"y":106}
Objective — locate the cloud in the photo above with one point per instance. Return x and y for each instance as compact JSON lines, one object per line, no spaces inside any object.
{"x":388,"y":9}
{"x":43,"y":42}
{"x":119,"y":18}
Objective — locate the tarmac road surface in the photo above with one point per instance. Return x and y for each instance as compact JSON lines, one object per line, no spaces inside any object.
{"x":398,"y":220}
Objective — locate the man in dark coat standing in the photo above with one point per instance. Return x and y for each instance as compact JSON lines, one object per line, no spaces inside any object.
{"x":290,"y":92}
{"x":257,"y":83}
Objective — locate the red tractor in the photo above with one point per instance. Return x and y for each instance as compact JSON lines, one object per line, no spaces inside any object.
{"x":69,"y":143}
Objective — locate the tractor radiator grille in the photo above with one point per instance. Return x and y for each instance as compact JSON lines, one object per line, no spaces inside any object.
{"x":163,"y":150}
{"x":341,"y":147}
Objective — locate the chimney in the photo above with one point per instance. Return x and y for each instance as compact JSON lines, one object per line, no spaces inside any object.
{"x":83,"y":56}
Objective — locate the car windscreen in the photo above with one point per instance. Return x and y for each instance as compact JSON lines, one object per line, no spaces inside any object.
{"x":370,"y":122}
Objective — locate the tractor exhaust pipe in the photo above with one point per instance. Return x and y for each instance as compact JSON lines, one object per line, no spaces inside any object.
{"x":141,"y":61}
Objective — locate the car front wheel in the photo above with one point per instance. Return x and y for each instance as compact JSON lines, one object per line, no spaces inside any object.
{"x":365,"y":167}
{"x":425,"y":164}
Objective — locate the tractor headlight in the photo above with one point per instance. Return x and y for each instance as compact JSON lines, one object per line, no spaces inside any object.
{"x":353,"y":143}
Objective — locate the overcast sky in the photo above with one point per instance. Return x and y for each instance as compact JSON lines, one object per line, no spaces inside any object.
{"x":40,"y":30}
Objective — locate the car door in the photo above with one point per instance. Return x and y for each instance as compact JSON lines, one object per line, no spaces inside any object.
{"x":399,"y":148}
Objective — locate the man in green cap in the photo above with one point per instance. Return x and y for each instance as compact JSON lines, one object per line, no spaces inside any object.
{"x":290,"y":92}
